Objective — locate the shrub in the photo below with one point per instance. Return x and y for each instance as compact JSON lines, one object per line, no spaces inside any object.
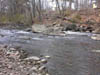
{"x":17,"y":18}
{"x":4,"y":19}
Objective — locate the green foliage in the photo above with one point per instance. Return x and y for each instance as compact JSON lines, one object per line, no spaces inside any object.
{"x":4,"y":19}
{"x":18,"y":18}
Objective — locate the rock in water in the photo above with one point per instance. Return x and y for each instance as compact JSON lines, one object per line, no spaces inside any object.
{"x":34,"y":58}
{"x":95,"y":37}
{"x":43,"y":61}
{"x":28,"y":29}
{"x":25,"y":37}
{"x":12,"y":49}
{"x":42,"y":68}
{"x":47,"y":57}
{"x":97,"y":51}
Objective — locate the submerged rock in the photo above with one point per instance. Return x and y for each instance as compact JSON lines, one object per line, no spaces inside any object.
{"x":97,"y":51}
{"x":25,"y":37}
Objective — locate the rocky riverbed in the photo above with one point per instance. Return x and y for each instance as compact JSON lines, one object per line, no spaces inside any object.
{"x":58,"y":29}
{"x":16,"y":62}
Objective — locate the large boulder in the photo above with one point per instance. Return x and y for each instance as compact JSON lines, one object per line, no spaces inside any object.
{"x":85,"y":29}
{"x":39,"y":28}
{"x":47,"y":29}
{"x":67,"y":27}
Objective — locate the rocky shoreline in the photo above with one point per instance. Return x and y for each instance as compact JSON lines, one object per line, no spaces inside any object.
{"x":16,"y":62}
{"x":52,"y":29}
{"x":59,"y":29}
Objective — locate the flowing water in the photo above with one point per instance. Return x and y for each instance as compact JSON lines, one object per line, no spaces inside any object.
{"x":70,"y":55}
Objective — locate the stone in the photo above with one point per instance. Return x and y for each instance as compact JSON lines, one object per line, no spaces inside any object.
{"x":9,"y":66}
{"x":5,"y":46}
{"x":28,"y":29}
{"x":47,"y":57}
{"x":38,"y":62}
{"x":95,"y":37}
{"x":43,"y":61}
{"x":34,"y":58}
{"x":97,"y":31}
{"x":67,"y":27}
{"x":12,"y":49}
{"x":34,"y":73}
{"x":89,"y":28}
{"x":98,"y":51}
{"x":47,"y":74}
{"x":42,"y":68}
{"x":33,"y":69}
{"x":38,"y":28}
{"x":25,"y":37}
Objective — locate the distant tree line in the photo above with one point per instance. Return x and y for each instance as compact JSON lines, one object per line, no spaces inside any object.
{"x":27,"y":11}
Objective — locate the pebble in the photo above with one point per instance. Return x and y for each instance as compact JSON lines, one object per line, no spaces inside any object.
{"x":38,"y":62}
{"x":98,"y":51}
{"x":34,"y":74}
{"x":43,"y":61}
{"x":1,"y":73}
{"x":33,"y":69}
{"x":12,"y":49}
{"x":9,"y":66}
{"x":41,"y":68}
{"x":47,"y":57}
{"x":47,"y":74}
{"x":34,"y":58}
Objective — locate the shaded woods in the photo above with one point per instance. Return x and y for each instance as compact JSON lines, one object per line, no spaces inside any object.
{"x":30,"y":11}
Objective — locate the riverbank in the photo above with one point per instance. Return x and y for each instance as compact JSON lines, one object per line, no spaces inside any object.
{"x":68,"y":54}
{"x":15,"y":61}
{"x":11,"y":26}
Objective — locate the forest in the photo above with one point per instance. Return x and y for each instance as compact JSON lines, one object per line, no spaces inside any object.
{"x":30,"y":11}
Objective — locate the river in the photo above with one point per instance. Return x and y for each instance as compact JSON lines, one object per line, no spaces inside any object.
{"x":70,"y":55}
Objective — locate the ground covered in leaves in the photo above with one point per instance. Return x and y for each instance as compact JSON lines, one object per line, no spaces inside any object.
{"x":16,"y":62}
